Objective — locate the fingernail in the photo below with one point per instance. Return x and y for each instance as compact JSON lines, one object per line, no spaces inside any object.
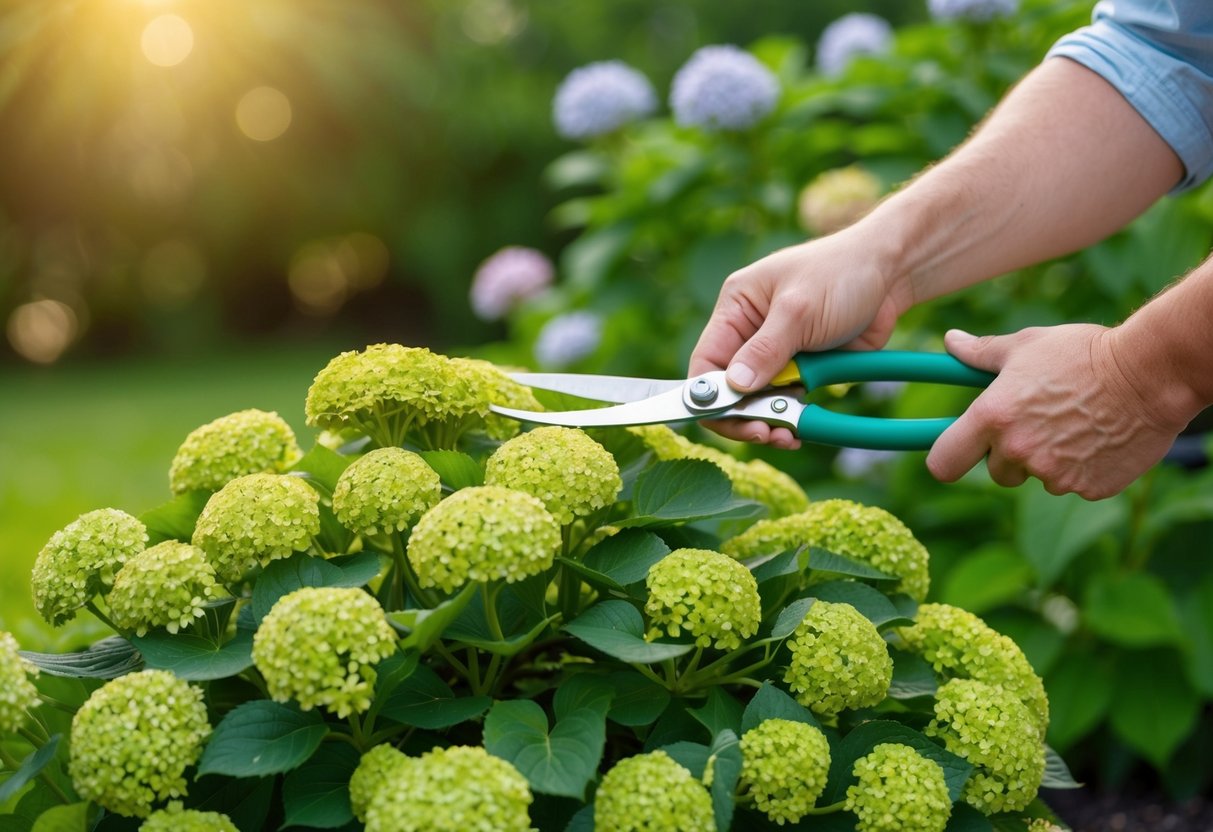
{"x":739,"y":375}
{"x":960,"y":335}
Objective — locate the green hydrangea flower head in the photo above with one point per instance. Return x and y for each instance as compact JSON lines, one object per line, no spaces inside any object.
{"x":709,"y":595}
{"x":652,"y":793}
{"x":992,"y":729}
{"x":839,"y":660}
{"x":376,"y":771}
{"x":501,"y":390}
{"x":567,"y":470}
{"x":247,"y":442}
{"x":753,"y":480}
{"x":1042,"y":825}
{"x":81,"y":559}
{"x":863,"y":533}
{"x":132,"y":741}
{"x":898,"y":790}
{"x":456,"y":789}
{"x":167,"y":586}
{"x":483,"y":533}
{"x":960,"y":645}
{"x":256,"y":519}
{"x":176,"y":818}
{"x":319,"y":646}
{"x":784,"y":765}
{"x":17,"y":692}
{"x":386,"y":490}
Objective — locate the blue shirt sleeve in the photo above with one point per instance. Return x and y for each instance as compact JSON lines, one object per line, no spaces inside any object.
{"x":1159,"y":55}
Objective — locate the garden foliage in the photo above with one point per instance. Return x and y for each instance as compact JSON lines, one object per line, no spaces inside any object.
{"x":433,"y":621}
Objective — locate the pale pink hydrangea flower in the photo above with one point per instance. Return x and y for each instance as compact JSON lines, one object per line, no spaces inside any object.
{"x":513,"y":274}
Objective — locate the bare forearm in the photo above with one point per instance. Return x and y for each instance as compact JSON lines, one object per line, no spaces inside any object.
{"x":1063,"y":162}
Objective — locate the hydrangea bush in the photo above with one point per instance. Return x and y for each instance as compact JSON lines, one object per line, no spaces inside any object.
{"x":424,"y":623}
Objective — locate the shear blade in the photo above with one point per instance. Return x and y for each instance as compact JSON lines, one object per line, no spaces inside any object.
{"x":617,"y":389}
{"x":665,"y":407}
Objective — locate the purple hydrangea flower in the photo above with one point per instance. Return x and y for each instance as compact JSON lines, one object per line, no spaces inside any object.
{"x":881,"y":391}
{"x":861,"y":463}
{"x":567,"y":339}
{"x":976,"y":10}
{"x":851,"y":35}
{"x":722,"y":88}
{"x":513,"y":274}
{"x":600,"y":97}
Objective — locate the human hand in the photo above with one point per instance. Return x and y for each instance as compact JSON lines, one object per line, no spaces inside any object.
{"x":826,"y":293}
{"x":1063,"y":410}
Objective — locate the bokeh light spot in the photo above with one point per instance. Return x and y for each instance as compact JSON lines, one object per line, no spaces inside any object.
{"x":263,"y":114}
{"x":490,"y":22}
{"x":167,"y":40}
{"x":41,"y":330}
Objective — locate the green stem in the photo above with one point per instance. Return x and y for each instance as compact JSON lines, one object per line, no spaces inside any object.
{"x":490,"y":675}
{"x":715,"y":667}
{"x":32,"y":738}
{"x":648,"y":673}
{"x":14,"y":764}
{"x":489,"y":593}
{"x":92,"y":607}
{"x":390,"y":733}
{"x":450,"y":659}
{"x":827,"y":810}
{"x":736,"y":676}
{"x":473,"y":670}
{"x":55,"y":703}
{"x":338,"y":736}
{"x":356,"y":728}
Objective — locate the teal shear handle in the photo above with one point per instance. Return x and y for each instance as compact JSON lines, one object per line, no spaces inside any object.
{"x":819,"y":369}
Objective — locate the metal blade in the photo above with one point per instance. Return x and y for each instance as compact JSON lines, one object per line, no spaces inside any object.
{"x":618,"y":389}
{"x":666,"y":407}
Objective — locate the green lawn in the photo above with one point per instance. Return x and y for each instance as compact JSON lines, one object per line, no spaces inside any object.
{"x":77,"y":438}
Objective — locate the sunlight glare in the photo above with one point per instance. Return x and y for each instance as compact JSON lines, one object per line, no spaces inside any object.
{"x":263,"y":114}
{"x":167,"y":40}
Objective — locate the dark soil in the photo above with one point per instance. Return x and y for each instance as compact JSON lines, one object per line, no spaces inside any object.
{"x":1089,"y":811}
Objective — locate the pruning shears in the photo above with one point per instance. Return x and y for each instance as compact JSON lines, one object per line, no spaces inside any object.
{"x":646,"y":401}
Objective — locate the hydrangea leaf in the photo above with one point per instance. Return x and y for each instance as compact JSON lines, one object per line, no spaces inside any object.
{"x":583,"y":690}
{"x":638,"y":700}
{"x":617,"y":629}
{"x":820,"y":560}
{"x":322,"y":466}
{"x":457,"y":470}
{"x":245,"y":800}
{"x":520,"y":622}
{"x":867,"y":736}
{"x":358,"y":569}
{"x":29,"y":768}
{"x":693,"y":756}
{"x":625,"y":558}
{"x":74,"y":817}
{"x":769,"y":567}
{"x":1153,"y":705}
{"x":1080,"y":690}
{"x":285,"y":576}
{"x":317,"y":794}
{"x":725,"y":760}
{"x":196,"y":658}
{"x":512,"y":645}
{"x":424,"y":627}
{"x":772,"y":703}
{"x":583,"y":821}
{"x":1132,"y":610}
{"x":683,"y":490}
{"x":790,"y":617}
{"x":720,"y":713}
{"x":988,"y":578}
{"x":560,"y":762}
{"x":913,"y":676}
{"x":109,"y":658}
{"x":873,"y":604}
{"x":576,"y":169}
{"x":1051,"y":531}
{"x":174,"y":520}
{"x":425,"y":701}
{"x":260,"y":738}
{"x":1057,"y":773}
{"x":1196,"y":611}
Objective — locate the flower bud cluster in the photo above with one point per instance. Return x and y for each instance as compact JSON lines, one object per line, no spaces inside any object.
{"x":456,"y":789}
{"x":176,"y":818}
{"x":319,"y":646}
{"x":132,"y":741}
{"x":386,"y":490}
{"x":247,"y":442}
{"x":898,"y":790}
{"x":863,"y":533}
{"x":167,"y":586}
{"x":571,"y":474}
{"x":784,"y":765}
{"x":376,"y":771}
{"x":709,"y":595}
{"x":483,"y":533}
{"x":256,"y":519}
{"x":652,"y":793}
{"x":993,"y":730}
{"x":960,"y":645}
{"x":81,"y":559}
{"x":17,"y":692}
{"x":839,"y":660}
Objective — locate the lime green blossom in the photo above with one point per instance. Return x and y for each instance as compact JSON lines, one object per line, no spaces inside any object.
{"x":247,"y":442}
{"x":862,"y":533}
{"x":319,"y":646}
{"x":504,"y":391}
{"x":753,"y":480}
{"x":898,"y":790}
{"x":256,"y":519}
{"x":457,"y":789}
{"x":167,"y":585}
{"x":376,"y":771}
{"x":17,"y":692}
{"x":132,"y":741}
{"x":175,"y":818}
{"x":784,"y":765}
{"x":960,"y":645}
{"x":483,"y":533}
{"x":992,"y":729}
{"x":567,"y":470}
{"x":386,"y":490}
{"x":839,"y":660}
{"x":652,"y":793}
{"x":1042,"y":825}
{"x":81,"y":559}
{"x":710,"y":595}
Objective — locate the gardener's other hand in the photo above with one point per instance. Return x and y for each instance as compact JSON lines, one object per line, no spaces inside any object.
{"x":826,"y":293}
{"x":1063,"y":409}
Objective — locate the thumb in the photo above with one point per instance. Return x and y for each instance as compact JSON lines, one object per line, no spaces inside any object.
{"x":986,"y":352}
{"x":766,"y":353}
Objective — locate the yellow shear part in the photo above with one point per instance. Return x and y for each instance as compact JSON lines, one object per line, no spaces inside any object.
{"x":788,"y":375}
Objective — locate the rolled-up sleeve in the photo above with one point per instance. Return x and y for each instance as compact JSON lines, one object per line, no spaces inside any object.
{"x":1159,"y":56}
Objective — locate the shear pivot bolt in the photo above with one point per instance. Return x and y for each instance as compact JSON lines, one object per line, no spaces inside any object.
{"x":703,"y":391}
{"x":779,"y":405}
